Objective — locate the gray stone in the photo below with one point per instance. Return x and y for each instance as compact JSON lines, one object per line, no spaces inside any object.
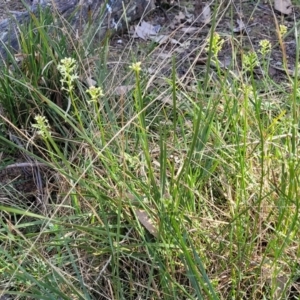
{"x":101,"y":14}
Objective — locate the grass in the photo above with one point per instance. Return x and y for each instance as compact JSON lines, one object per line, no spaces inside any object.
{"x":176,"y":189}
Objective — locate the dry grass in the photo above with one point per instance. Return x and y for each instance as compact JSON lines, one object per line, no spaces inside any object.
{"x":185,"y":186}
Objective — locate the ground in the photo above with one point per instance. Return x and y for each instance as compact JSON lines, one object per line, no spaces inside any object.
{"x":10,"y":5}
{"x":258,"y":19}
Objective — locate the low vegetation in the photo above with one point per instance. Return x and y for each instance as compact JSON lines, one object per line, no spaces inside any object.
{"x":146,"y":184}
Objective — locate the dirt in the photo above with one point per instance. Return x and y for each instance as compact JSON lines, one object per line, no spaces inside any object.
{"x":258,"y":18}
{"x":260,"y":22}
{"x":10,"y":6}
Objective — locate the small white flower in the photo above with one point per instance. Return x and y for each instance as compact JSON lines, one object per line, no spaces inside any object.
{"x":136,"y":67}
{"x":95,"y":93}
{"x":42,"y":126}
{"x":67,"y":69}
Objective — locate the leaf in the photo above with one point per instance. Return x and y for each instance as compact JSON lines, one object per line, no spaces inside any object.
{"x":145,"y":30}
{"x":146,"y":221}
{"x":189,"y":29}
{"x":160,"y":39}
{"x":123,"y":89}
{"x":90,"y":81}
{"x":241,"y":26}
{"x":283,"y":6}
{"x":206,"y":14}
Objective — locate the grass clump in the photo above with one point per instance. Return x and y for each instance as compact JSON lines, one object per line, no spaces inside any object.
{"x":170,"y":191}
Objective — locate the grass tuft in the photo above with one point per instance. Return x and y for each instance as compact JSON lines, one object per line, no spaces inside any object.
{"x":143,"y":184}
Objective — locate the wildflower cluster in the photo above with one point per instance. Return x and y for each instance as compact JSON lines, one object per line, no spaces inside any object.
{"x":95,"y":93}
{"x":42,"y":126}
{"x":250,"y":61}
{"x":265,"y":47}
{"x":247,"y":90}
{"x":136,"y":67}
{"x":217,"y":44}
{"x":67,"y":69}
{"x":282,"y":29}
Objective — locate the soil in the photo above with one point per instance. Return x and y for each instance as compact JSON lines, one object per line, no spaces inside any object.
{"x":257,"y":17}
{"x":10,"y":6}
